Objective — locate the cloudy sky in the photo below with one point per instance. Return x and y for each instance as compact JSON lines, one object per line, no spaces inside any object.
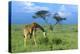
{"x":22,"y":12}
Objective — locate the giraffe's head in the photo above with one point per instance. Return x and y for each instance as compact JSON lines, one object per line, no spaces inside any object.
{"x":34,"y":24}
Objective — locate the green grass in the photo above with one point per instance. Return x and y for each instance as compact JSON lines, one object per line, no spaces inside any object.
{"x":61,"y":38}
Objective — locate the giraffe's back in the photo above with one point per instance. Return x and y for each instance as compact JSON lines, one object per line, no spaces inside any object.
{"x":27,"y":29}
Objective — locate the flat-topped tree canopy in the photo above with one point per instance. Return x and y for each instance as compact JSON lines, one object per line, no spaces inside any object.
{"x":58,"y":18}
{"x":41,"y":14}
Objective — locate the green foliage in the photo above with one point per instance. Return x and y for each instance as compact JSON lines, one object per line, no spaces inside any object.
{"x":42,"y":13}
{"x":57,"y":41}
{"x":43,"y":41}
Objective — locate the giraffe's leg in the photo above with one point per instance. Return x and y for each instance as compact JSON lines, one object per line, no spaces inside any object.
{"x":25,"y":40}
{"x":34,"y":38}
{"x":44,"y":33}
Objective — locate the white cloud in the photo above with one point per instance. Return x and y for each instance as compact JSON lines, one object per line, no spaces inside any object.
{"x":31,"y":7}
{"x":63,"y":11}
{"x":28,"y":4}
{"x":62,"y":14}
{"x":62,"y":8}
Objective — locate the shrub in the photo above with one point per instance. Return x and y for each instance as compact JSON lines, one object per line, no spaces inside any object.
{"x":43,"y":41}
{"x":56,"y":41}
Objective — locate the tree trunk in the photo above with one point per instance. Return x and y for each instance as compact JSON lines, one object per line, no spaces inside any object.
{"x":48,"y":24}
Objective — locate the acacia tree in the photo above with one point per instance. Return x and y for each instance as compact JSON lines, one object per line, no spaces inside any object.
{"x":58,"y":18}
{"x":42,"y":14}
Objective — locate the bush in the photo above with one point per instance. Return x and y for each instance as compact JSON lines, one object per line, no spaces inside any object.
{"x":56,"y":41}
{"x":43,"y":41}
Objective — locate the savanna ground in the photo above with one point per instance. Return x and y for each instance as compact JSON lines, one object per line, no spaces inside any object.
{"x":61,"y":38}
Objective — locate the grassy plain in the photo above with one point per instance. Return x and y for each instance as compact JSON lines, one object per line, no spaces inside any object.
{"x":61,"y":38}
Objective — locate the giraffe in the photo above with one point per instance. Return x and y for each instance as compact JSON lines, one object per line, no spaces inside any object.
{"x":30,"y":30}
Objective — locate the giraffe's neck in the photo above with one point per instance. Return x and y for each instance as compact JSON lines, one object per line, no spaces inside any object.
{"x":41,"y":28}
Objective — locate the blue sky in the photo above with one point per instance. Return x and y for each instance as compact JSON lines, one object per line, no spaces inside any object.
{"x":22,"y":12}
